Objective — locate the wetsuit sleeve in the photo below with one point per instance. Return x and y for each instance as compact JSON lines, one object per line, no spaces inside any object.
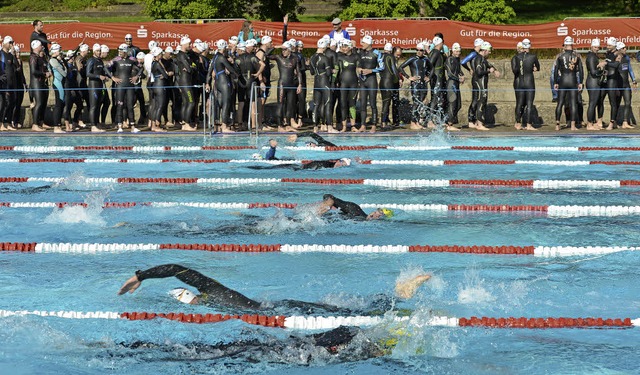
{"x":349,"y":208}
{"x":313,"y":62}
{"x":55,"y":64}
{"x":448,"y":66}
{"x":555,"y":71}
{"x":406,"y":63}
{"x":481,"y":70}
{"x":299,"y":71}
{"x":230,"y":68}
{"x":592,"y":66}
{"x":514,"y":66}
{"x":320,"y":141}
{"x":33,"y":66}
{"x":536,"y":63}
{"x":319,"y":164}
{"x":90,"y":72}
{"x":284,"y":32}
{"x":467,"y":59}
{"x":271,"y":154}
{"x":580,"y":70}
{"x":380,"y":66}
{"x":631,"y":74}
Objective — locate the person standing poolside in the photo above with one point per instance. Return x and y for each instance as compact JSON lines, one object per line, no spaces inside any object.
{"x":125,"y":72}
{"x":264,"y":78}
{"x":288,"y":86}
{"x":39,"y":35}
{"x":347,"y":80}
{"x":21,"y":85}
{"x":369,"y":65}
{"x":222,"y":74}
{"x":185,"y":70}
{"x":612,"y":82}
{"x":59,"y":70}
{"x":420,"y":69}
{"x":72,"y":95}
{"x":568,"y":81}
{"x":480,"y":82}
{"x":337,"y":33}
{"x":627,"y":80}
{"x":9,"y":66}
{"x":389,"y":87}
{"x":593,"y":82}
{"x":515,"y":69}
{"x":527,"y":63}
{"x":455,"y":77}
{"x":322,"y":70}
{"x":39,"y":74}
{"x":438,"y":80}
{"x":96,"y":77}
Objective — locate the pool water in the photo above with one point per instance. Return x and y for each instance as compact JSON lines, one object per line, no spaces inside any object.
{"x":463,"y":285}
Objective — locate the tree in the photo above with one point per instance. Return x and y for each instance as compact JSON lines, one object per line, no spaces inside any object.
{"x":168,"y":9}
{"x":275,"y":10}
{"x":493,"y":12}
{"x":380,"y":8}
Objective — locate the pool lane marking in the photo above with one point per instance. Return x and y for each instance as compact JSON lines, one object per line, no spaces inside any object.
{"x":434,"y":163}
{"x":93,"y":248}
{"x":298,"y":322}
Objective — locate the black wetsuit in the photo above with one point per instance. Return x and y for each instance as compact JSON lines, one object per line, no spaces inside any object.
{"x":568,"y":74}
{"x":172,"y":94}
{"x":612,"y":84}
{"x":350,"y":209}
{"x":81,"y":64}
{"x":438,"y":80}
{"x":20,"y":85}
{"x":369,"y":59}
{"x":420,"y":67}
{"x":42,"y":37}
{"x":248,"y":65}
{"x":389,"y":88}
{"x":526,"y":62}
{"x":335,"y":96}
{"x":302,"y":96}
{"x":224,"y":72}
{"x":515,"y":69}
{"x":313,"y":165}
{"x":133,"y":51}
{"x":73,"y":95}
{"x":160,"y":83}
{"x":9,"y":81}
{"x":125,"y":69}
{"x":185,"y":69}
{"x":594,"y":88}
{"x":454,"y":101}
{"x":261,"y":55}
{"x":322,"y":71}
{"x":625,"y":87}
{"x":39,"y":87}
{"x":316,"y":137}
{"x":479,"y":82}
{"x":348,"y":81}
{"x":97,"y":90}
{"x":290,"y":76}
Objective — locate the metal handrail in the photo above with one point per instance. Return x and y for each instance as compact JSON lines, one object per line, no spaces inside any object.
{"x":592,"y":18}
{"x":403,"y":18}
{"x":47,"y":21}
{"x":199,"y":20}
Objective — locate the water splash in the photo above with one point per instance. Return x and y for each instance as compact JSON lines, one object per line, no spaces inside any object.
{"x":91,"y":214}
{"x":305,"y":218}
{"x":473,"y":290}
{"x":75,"y":181}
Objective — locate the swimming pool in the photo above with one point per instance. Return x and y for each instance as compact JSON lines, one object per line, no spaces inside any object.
{"x":463,"y":285}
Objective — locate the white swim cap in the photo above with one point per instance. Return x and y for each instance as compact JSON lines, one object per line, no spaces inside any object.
{"x":346,"y":161}
{"x":128,"y":36}
{"x":96,"y":48}
{"x":420,"y":46}
{"x":104,"y":48}
{"x":140,"y":55}
{"x":152,"y":44}
{"x":7,"y":39}
{"x":333,"y":43}
{"x":367,"y":39}
{"x":251,"y":43}
{"x":519,"y":45}
{"x":242,"y":46}
{"x":322,"y":43}
{"x":595,"y":42}
{"x":169,"y":49}
{"x":221,"y":44}
{"x":456,"y":47}
{"x":568,"y":41}
{"x":199,"y":46}
{"x":620,"y":45}
{"x":478,"y":42}
{"x":84,"y":47}
{"x":611,"y":41}
{"x":388,"y":47}
{"x":55,"y":48}
{"x":437,"y":40}
{"x":287,"y":45}
{"x":233,"y":40}
{"x":299,"y":43}
{"x":156,"y":51}
{"x":266,"y":39}
{"x":183,"y":295}
{"x":326,"y":36}
{"x":486,"y":46}
{"x":70,"y":53}
{"x":185,"y":40}
{"x":17,"y":49}
{"x":526,"y":43}
{"x":345,"y":43}
{"x":35,"y":44}
{"x":123,"y":47}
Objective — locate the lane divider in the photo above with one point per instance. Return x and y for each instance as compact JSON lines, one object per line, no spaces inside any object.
{"x":153,"y":149}
{"x":331,"y":322}
{"x":548,"y":210}
{"x":434,"y":163}
{"x":93,"y":248}
{"x":395,"y":183}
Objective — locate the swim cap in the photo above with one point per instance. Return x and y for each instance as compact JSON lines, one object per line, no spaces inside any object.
{"x":388,"y":47}
{"x":478,"y":42}
{"x":200,"y":47}
{"x":326,"y":36}
{"x":185,"y":40}
{"x":17,"y":49}
{"x":595,"y":42}
{"x":367,"y":39}
{"x":7,"y":39}
{"x":420,"y":46}
{"x":526,"y":43}
{"x":104,"y":48}
{"x":287,"y":45}
{"x":70,"y":53}
{"x":168,"y":49}
{"x":128,"y":36}
{"x":152,"y":44}
{"x":242,"y":46}
{"x":322,"y":43}
{"x":183,"y":295}
{"x":84,"y":47}
{"x":333,"y":43}
{"x":123,"y":47}
{"x":486,"y":46}
{"x":568,"y":41}
{"x":55,"y":48}
{"x":140,"y":55}
{"x":96,"y":48}
{"x":35,"y":44}
{"x":233,"y":40}
{"x":346,"y":161}
{"x":345,"y":43}
{"x":620,"y":46}
{"x":221,"y":44}
{"x":611,"y":41}
{"x":299,"y":43}
{"x":266,"y":39}
{"x":455,"y":47}
{"x":519,"y":45}
{"x":156,"y":51}
{"x":387,"y":212}
{"x":251,"y":43}
{"x":437,"y":40}
{"x":256,"y":156}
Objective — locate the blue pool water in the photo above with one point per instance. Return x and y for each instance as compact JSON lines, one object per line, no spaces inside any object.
{"x":462,"y":285}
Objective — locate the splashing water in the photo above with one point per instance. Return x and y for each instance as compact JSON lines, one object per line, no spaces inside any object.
{"x":76,"y":181}
{"x":473,"y":290}
{"x":305,"y":218}
{"x":91,"y":214}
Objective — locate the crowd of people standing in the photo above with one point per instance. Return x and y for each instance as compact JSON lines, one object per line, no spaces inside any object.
{"x":346,"y":82}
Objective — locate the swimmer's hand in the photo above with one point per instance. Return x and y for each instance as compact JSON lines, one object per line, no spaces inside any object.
{"x":406,"y":289}
{"x":130,"y":285}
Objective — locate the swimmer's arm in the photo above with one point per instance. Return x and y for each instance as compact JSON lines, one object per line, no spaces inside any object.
{"x":184,"y":274}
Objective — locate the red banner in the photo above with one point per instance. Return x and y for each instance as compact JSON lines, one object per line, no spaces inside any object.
{"x":403,"y":33}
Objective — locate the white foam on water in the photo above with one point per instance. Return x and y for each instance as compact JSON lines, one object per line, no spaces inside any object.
{"x":92,"y":214}
{"x":473,"y":291}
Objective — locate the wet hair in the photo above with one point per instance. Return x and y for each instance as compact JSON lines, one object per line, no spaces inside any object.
{"x":36,"y":22}
{"x":327,"y":197}
{"x":439,"y":35}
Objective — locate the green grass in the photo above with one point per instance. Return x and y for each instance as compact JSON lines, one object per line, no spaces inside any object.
{"x":541,"y":11}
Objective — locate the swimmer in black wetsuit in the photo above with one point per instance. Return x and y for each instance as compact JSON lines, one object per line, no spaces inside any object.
{"x":213,"y":293}
{"x":288,"y":87}
{"x":481,"y":69}
{"x":527,"y":63}
{"x":320,"y":142}
{"x":352,"y":210}
{"x":568,"y":80}
{"x":368,"y":66}
{"x":454,"y":78}
{"x":389,"y":87}
{"x":347,"y":80}
{"x":438,"y":81}
{"x":321,"y":67}
{"x":419,"y":70}
{"x":593,"y":82}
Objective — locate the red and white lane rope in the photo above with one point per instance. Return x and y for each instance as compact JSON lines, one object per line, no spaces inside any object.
{"x":396,"y":183}
{"x":154,"y":149}
{"x":93,"y":248}
{"x":433,"y":163}
{"x":330,"y":322}
{"x":548,"y":210}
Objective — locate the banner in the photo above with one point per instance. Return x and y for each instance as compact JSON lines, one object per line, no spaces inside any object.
{"x":403,"y":33}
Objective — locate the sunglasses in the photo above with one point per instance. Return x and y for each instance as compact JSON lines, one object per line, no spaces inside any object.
{"x":420,"y":50}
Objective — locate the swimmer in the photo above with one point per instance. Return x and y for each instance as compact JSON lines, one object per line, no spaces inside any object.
{"x":354,"y":211}
{"x":320,"y":142}
{"x":214,"y":294}
{"x":314,"y":165}
{"x":271,"y":154}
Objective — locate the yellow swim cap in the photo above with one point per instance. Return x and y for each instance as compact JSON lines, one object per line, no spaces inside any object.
{"x":387,"y":212}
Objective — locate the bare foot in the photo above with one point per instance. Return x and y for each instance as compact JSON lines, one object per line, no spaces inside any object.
{"x":573,"y":127}
{"x":332,"y":130}
{"x":625,"y":125}
{"x":415,"y":126}
{"x":266,"y":128}
{"x":480,"y":126}
{"x":373,"y":129}
{"x":58,"y":130}
{"x":407,"y":288}
{"x":187,"y":128}
{"x":530,"y":127}
{"x":36,"y":128}
{"x":46,"y":127}
{"x":518,"y":126}
{"x":557,"y":126}
{"x":452,"y":128}
{"x":95,"y":129}
{"x":611,"y":126}
{"x":431,"y":125}
{"x":11,"y":128}
{"x":3,"y":128}
{"x":226,"y":129}
{"x":472,"y":125}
